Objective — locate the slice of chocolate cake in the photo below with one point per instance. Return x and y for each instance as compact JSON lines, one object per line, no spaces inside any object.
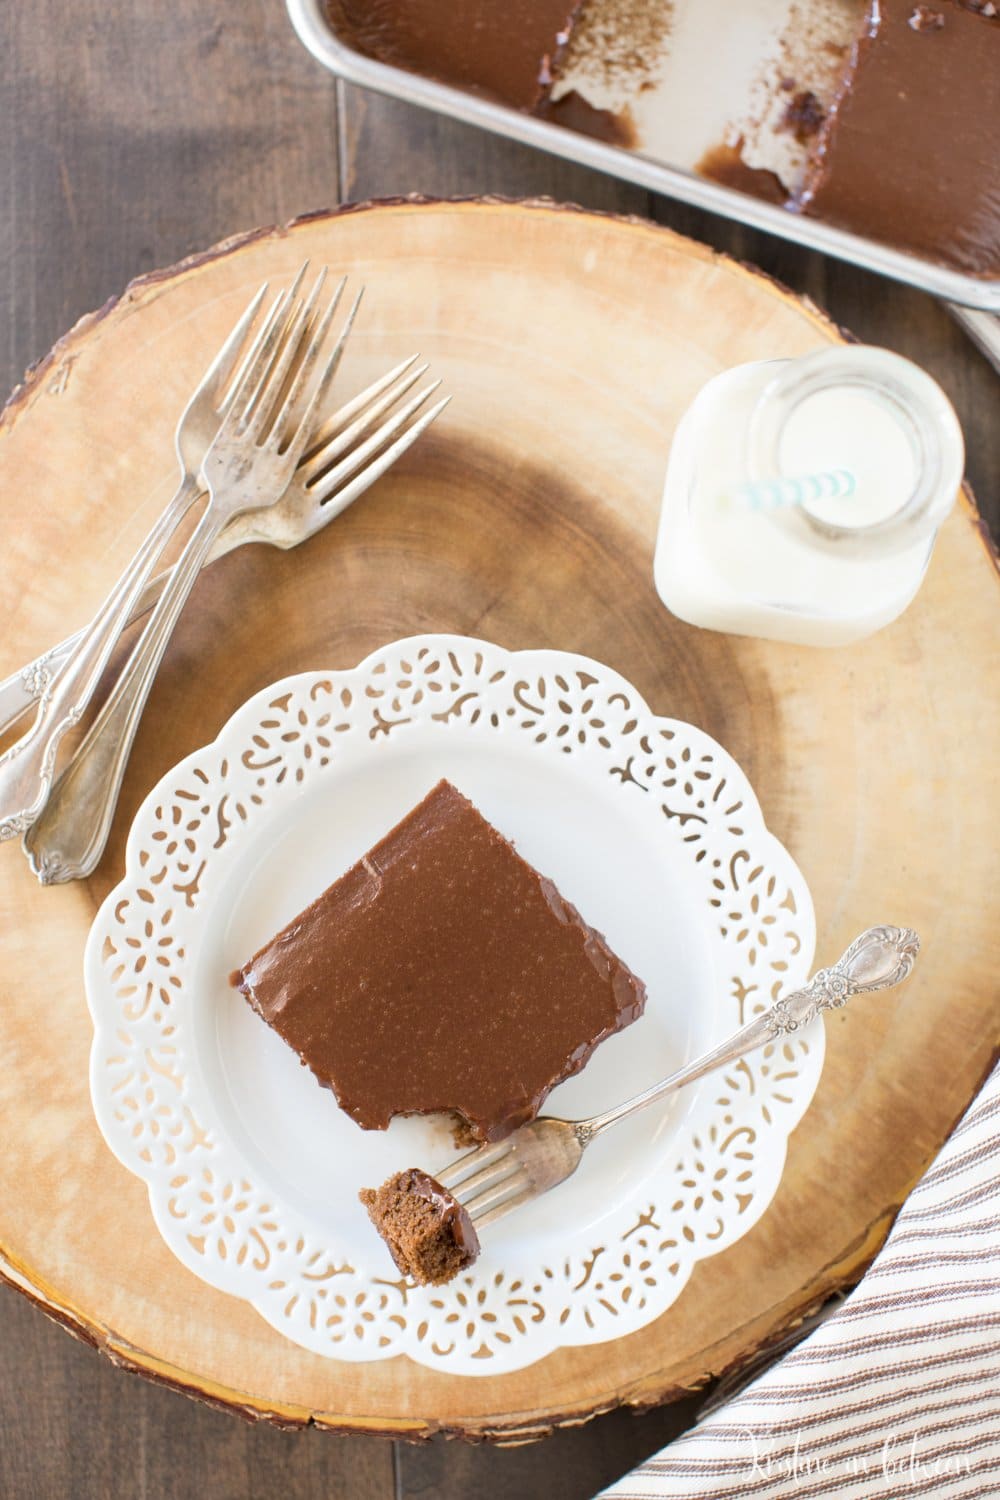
{"x":508,"y":51}
{"x":428,"y":1232}
{"x":442,"y":974}
{"x":908,"y":152}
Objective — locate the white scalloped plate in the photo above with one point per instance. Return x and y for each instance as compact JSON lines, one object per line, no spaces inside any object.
{"x":644,"y":823}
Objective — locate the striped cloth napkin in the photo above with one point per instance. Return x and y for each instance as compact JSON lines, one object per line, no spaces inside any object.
{"x":895,"y":1394}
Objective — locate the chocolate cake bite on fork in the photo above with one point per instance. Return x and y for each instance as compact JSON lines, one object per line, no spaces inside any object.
{"x":428,"y":1233}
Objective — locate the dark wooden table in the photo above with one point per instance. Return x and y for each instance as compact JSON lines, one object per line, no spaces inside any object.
{"x":132,"y":135}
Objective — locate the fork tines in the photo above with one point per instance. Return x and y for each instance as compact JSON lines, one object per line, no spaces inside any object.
{"x":268,"y":400}
{"x":488,"y":1181}
{"x":266,"y":397}
{"x":348,"y":461}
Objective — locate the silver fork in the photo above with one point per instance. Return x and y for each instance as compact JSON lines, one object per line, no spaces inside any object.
{"x":249,"y":464}
{"x":320,"y":490}
{"x":27,"y":766}
{"x":494,"y":1179}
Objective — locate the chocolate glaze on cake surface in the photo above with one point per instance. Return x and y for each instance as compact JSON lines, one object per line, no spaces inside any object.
{"x":428,"y":1233}
{"x":573,"y":112}
{"x":725,"y":164}
{"x":908,"y":152}
{"x":442,"y":973}
{"x":507,"y":49}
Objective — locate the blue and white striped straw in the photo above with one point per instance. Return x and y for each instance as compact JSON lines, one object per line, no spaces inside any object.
{"x":776,"y":494}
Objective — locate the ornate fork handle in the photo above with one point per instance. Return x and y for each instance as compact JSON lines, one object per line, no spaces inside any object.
{"x":26,"y":769}
{"x":22,"y":690}
{"x":877,"y":960}
{"x":73,"y":827}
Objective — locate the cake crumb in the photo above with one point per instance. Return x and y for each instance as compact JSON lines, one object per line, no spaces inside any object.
{"x":923,"y":18}
{"x":803,"y":116}
{"x":462,"y":1133}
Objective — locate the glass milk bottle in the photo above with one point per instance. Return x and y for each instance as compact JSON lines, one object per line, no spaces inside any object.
{"x":803,"y":496}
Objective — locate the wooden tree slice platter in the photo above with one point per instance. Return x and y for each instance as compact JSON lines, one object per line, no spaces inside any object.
{"x":571,"y":342}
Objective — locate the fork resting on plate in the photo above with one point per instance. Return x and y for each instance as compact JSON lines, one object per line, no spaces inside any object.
{"x":495,"y":1179}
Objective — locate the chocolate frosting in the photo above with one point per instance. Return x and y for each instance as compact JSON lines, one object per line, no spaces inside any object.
{"x":508,"y":49}
{"x":909,"y":150}
{"x":573,"y":112}
{"x":442,"y":973}
{"x":724,"y":164}
{"x":454,"y":1220}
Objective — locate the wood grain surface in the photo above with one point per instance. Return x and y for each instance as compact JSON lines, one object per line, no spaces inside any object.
{"x":134,"y":137}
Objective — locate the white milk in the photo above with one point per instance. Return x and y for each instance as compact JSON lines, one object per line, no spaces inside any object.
{"x":834,"y":570}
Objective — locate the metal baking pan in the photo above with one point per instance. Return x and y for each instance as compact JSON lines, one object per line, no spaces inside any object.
{"x":314,"y":29}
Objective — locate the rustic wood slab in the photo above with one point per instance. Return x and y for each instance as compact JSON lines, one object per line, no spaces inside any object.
{"x":572,"y":342}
